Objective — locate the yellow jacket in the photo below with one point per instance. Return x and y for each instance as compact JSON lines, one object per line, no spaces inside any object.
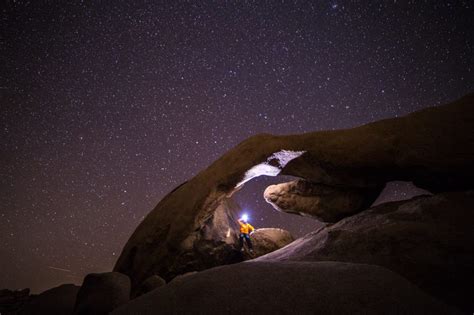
{"x":245,"y":228}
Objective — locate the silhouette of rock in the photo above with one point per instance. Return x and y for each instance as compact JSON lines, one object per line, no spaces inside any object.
{"x":13,"y":300}
{"x":433,"y":148}
{"x":100,"y":293}
{"x":429,"y":240}
{"x":288,"y":288}
{"x":58,"y":300}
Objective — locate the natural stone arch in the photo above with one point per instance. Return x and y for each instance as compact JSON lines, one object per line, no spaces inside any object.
{"x":187,"y":230}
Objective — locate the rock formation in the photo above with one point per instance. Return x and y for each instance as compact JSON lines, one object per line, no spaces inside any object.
{"x":288,"y":288}
{"x":318,"y":200}
{"x":267,"y":240}
{"x":100,"y":293}
{"x":58,"y":300}
{"x":429,"y":240}
{"x":433,"y":148}
{"x":412,"y":256}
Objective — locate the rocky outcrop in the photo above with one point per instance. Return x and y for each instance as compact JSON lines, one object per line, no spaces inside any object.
{"x":100,"y":293}
{"x":288,"y":288}
{"x":267,"y":240}
{"x":429,"y":240}
{"x":433,"y":148}
{"x":59,"y":300}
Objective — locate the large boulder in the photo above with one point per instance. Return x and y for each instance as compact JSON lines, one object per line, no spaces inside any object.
{"x":100,"y":293}
{"x":433,"y":148}
{"x":429,"y":240}
{"x":267,"y":240}
{"x":59,"y":300}
{"x":288,"y":288}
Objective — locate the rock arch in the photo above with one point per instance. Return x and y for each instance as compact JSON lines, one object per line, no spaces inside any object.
{"x":188,"y":229}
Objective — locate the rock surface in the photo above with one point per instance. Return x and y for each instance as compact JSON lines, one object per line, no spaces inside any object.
{"x":59,"y":300}
{"x":211,"y":244}
{"x":150,"y":284}
{"x":323,"y":202}
{"x":433,"y":148}
{"x":267,"y":240}
{"x":100,"y":293}
{"x":288,"y":288}
{"x":181,"y":278}
{"x":429,"y":240}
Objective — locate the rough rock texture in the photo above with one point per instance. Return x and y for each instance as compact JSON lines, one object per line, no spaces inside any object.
{"x":215,"y":242}
{"x":318,"y":200}
{"x":100,"y":293}
{"x":267,"y":240}
{"x":433,"y":148}
{"x":13,"y":300}
{"x":288,"y":288}
{"x":59,"y":300}
{"x":150,"y":284}
{"x":429,"y":240}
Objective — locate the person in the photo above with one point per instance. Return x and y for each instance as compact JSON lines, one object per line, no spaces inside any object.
{"x":245,"y":230}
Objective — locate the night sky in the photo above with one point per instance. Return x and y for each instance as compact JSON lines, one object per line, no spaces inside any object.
{"x":107,"y":106}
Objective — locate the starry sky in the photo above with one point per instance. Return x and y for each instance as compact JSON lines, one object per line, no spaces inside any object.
{"x":106,"y":106}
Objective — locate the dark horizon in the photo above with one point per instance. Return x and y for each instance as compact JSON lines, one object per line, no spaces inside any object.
{"x":108,"y":107}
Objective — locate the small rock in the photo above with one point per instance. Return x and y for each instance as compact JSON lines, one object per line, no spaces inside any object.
{"x":180,"y":278}
{"x":267,"y":240}
{"x":150,"y":284}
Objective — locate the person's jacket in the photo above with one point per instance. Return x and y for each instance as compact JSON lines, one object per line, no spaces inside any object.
{"x":245,"y":228}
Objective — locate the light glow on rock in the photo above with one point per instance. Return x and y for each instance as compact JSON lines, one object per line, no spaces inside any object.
{"x":285,"y":156}
{"x":282,"y":158}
